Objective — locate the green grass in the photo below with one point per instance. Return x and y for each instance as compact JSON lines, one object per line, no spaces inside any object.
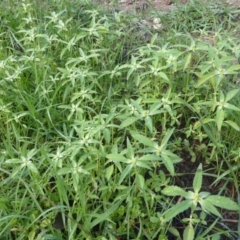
{"x":97,"y":123}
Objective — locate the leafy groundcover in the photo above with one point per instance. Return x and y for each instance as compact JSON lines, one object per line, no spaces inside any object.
{"x":100,"y":126}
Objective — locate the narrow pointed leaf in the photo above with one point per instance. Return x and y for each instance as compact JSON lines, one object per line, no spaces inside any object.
{"x":176,"y":209}
{"x":224,"y":202}
{"x":209,"y":207}
{"x":140,"y":181}
{"x":105,"y":215}
{"x":142,"y":139}
{"x":231,"y":94}
{"x":232,"y":107}
{"x":128,"y":122}
{"x":174,"y":191}
{"x":155,"y":108}
{"x":234,"y":68}
{"x":109,"y":172}
{"x":163,"y":76}
{"x":148,"y":122}
{"x":116,"y":157}
{"x":187,"y":61}
{"x":219,"y":118}
{"x":166,"y":137}
{"x":204,"y":79}
{"x":197,"y":181}
{"x":233,"y":125}
{"x":130,"y":149}
{"x":142,"y":164}
{"x":188,"y":233}
{"x":168,"y":163}
{"x":125,"y":172}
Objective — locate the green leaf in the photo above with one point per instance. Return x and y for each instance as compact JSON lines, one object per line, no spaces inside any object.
{"x":231,"y":94}
{"x":168,"y":163}
{"x":149,"y":157}
{"x":32,"y":167}
{"x":154,"y":108}
{"x":166,"y":138}
{"x":140,"y":181}
{"x":130,"y":151}
{"x":142,"y":164}
{"x":174,"y":191}
{"x":154,"y":219}
{"x":204,"y":79}
{"x":107,"y":135}
{"x":233,"y":125}
{"x":116,"y":157}
{"x":63,"y":171}
{"x":105,"y":215}
{"x":187,"y":61}
{"x":204,"y":194}
{"x":174,"y":231}
{"x":109,"y":172}
{"x":232,"y":107}
{"x":163,"y":76}
{"x":148,"y":122}
{"x":128,"y":121}
{"x":234,"y":68}
{"x":223,"y":202}
{"x":219,"y":117}
{"x":125,"y":172}
{"x":176,"y":209}
{"x":142,"y":139}
{"x":188,"y":233}
{"x":208,"y":206}
{"x":197,"y":181}
{"x":175,"y":158}
{"x":62,"y":190}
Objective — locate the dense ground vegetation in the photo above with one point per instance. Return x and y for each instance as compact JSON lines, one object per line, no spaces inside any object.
{"x":107,"y":133}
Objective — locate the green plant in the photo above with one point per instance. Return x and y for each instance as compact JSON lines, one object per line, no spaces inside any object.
{"x":207,"y":202}
{"x":95,"y":121}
